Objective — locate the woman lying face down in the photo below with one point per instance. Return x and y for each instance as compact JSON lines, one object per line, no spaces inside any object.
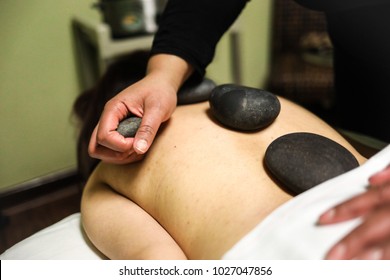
{"x":198,"y":191}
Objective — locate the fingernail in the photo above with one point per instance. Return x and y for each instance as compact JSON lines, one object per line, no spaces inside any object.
{"x":327,"y":216}
{"x":375,"y":254}
{"x":338,"y":253}
{"x":141,"y":145}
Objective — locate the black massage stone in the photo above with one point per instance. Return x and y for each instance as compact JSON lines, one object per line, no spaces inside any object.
{"x":129,"y":126}
{"x":191,"y":92}
{"x":194,"y":92}
{"x":301,"y":161}
{"x":243,"y":108}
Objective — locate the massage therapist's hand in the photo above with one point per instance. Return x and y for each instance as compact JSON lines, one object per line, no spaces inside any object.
{"x":153,"y":98}
{"x":371,"y":239}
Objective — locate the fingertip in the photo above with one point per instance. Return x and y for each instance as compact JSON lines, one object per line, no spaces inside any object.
{"x":338,"y":252}
{"x":326,"y":217}
{"x":141,"y":146}
{"x":371,"y":254}
{"x":380,"y":178}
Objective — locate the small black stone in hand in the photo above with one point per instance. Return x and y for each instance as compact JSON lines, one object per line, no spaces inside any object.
{"x":128,"y":127}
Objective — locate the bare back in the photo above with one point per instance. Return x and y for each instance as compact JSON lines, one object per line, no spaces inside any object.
{"x":206,"y":184}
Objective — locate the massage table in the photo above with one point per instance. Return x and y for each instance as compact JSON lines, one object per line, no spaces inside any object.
{"x":290,"y":232}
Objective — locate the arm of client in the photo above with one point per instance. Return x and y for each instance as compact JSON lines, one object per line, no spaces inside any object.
{"x":199,"y":190}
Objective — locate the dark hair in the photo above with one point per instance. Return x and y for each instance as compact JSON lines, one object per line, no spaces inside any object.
{"x":89,"y":104}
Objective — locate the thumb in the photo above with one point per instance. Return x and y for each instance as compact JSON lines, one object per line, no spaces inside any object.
{"x":147,"y":131}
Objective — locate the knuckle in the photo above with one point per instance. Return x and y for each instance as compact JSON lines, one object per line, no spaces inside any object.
{"x":91,"y":149}
{"x":146,"y":130}
{"x":380,"y":195}
{"x":116,"y":107}
{"x":100,"y":138}
{"x":91,"y":152}
{"x":111,"y":104}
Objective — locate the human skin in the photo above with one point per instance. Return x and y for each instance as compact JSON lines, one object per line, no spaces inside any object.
{"x":371,"y":239}
{"x":153,"y":98}
{"x":198,"y":191}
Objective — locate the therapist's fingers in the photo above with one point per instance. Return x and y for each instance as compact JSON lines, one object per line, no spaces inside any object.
{"x":155,"y":113}
{"x":356,"y":206}
{"x":376,"y":252}
{"x":368,"y":240}
{"x":108,"y":155}
{"x":381,"y":178}
{"x":105,"y":133}
{"x":147,"y":131}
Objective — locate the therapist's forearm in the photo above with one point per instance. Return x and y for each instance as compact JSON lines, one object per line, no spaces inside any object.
{"x":173,"y":69}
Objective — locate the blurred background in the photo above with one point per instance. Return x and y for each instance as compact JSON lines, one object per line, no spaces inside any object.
{"x":40,"y":78}
{"x":50,"y":52}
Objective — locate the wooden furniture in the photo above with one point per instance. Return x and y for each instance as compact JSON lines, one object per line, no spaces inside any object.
{"x":36,"y":204}
{"x":301,"y":58}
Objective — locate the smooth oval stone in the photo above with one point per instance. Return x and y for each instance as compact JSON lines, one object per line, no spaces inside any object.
{"x":301,"y":161}
{"x":129,"y":126}
{"x":243,"y":108}
{"x":194,"y":92}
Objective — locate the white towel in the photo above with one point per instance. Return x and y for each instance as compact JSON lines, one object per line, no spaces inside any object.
{"x":290,"y":232}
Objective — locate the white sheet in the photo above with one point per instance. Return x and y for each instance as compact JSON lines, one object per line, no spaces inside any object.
{"x":288,"y":233}
{"x":64,"y":240}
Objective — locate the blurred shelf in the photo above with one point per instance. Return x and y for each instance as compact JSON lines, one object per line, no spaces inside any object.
{"x":95,"y":47}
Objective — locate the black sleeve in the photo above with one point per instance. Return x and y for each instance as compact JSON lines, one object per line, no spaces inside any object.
{"x":331,"y":6}
{"x":191,"y":29}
